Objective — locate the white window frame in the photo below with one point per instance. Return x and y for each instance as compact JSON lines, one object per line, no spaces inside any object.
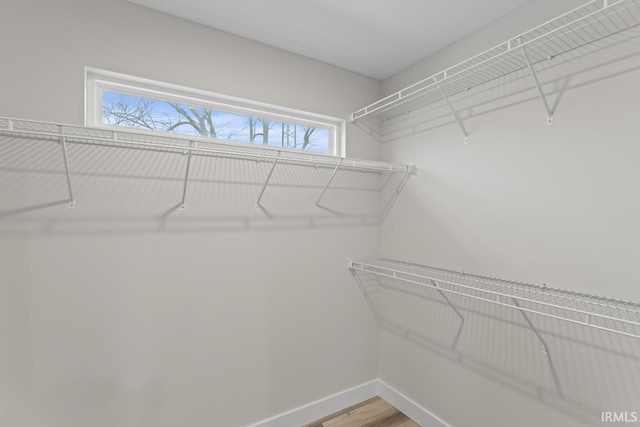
{"x":97,"y":80}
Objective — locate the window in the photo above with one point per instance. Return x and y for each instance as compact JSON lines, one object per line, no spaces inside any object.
{"x":114,"y":99}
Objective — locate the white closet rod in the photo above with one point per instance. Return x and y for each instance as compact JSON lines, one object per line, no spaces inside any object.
{"x":561,"y":305}
{"x":15,"y":131}
{"x":586,"y":24}
{"x":35,"y":130}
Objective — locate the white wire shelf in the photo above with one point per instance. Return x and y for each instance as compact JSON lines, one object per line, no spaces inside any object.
{"x":606,"y":314}
{"x":586,"y":24}
{"x":78,"y":152}
{"x":30,"y":129}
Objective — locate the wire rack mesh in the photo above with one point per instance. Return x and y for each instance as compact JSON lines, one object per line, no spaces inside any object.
{"x":215,"y":176}
{"x":606,"y":314}
{"x":38,"y":130}
{"x":586,"y":24}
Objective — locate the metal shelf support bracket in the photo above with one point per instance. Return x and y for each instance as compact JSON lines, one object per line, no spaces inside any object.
{"x":395,"y":195}
{"x":65,"y":157}
{"x":266,"y":182}
{"x":326,"y":187}
{"x":186,"y":177}
{"x":387,"y":180}
{"x":446,"y":298}
{"x":453,"y":111}
{"x":545,"y":347}
{"x":186,"y":150}
{"x":463,"y":320}
{"x":538,"y":86}
{"x":366,"y":296}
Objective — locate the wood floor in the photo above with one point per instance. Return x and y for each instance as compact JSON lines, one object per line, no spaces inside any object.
{"x":370,"y":413}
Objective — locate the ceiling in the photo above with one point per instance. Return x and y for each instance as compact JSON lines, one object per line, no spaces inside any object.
{"x":376,"y":38}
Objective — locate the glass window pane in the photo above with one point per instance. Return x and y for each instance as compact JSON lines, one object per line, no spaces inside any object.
{"x":120,"y":109}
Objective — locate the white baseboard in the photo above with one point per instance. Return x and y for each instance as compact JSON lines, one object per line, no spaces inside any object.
{"x":321,"y":408}
{"x":410,"y":408}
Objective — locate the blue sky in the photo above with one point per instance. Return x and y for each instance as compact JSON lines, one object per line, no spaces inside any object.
{"x":231,"y":126}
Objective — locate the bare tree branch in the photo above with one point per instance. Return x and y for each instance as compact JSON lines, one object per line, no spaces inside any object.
{"x":307,"y":137}
{"x":126,"y":110}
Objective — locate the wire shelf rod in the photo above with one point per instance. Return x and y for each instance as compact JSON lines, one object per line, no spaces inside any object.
{"x":181,"y":150}
{"x":525,"y":299}
{"x":591,"y":14}
{"x":528,"y":310}
{"x":240,"y":153}
{"x":588,"y":315}
{"x":86,"y":151}
{"x":542,"y":290}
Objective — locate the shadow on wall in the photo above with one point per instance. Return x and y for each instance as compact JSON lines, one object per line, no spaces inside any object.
{"x":145,"y":405}
{"x":603,"y":59}
{"x":124,"y":190}
{"x":584,"y":372}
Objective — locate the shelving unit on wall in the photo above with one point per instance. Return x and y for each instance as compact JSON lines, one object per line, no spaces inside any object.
{"x":586,"y":24}
{"x":265,"y":181}
{"x":592,"y":311}
{"x":453,"y":313}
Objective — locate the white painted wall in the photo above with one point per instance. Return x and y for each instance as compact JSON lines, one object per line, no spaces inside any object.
{"x":143,"y":327}
{"x":215,"y":327}
{"x":527,"y":202}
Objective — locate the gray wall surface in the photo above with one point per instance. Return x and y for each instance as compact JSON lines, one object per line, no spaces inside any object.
{"x":526,"y":202}
{"x":135,"y":326}
{"x":109,"y":319}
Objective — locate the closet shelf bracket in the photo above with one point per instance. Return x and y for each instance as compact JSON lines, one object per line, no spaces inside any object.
{"x":326,"y":187}
{"x":545,"y":347}
{"x":577,"y":28}
{"x":600,"y":313}
{"x":266,"y":183}
{"x":396,"y":193}
{"x":463,"y":320}
{"x":65,"y":157}
{"x":534,"y":76}
{"x":367,"y":298}
{"x":456,"y":115}
{"x":356,"y":182}
{"x":444,"y":296}
{"x":186,"y":176}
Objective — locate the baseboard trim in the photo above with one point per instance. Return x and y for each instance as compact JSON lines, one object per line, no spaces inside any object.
{"x":410,"y":408}
{"x":321,"y":408}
